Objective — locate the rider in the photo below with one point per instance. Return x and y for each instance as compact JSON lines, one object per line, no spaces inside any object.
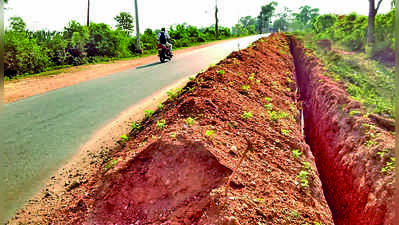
{"x":163,"y":38}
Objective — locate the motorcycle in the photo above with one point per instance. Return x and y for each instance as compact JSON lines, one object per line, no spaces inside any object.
{"x":164,"y":52}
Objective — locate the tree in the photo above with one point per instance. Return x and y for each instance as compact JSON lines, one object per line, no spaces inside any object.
{"x":216,"y":20}
{"x":17,"y":24}
{"x":249,"y":24}
{"x":281,"y":24}
{"x":371,"y":20}
{"x":125,"y":22}
{"x":265,"y":15}
{"x":306,"y":15}
{"x":88,"y":12}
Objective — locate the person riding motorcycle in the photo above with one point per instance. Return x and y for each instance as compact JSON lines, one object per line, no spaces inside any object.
{"x":163,"y":38}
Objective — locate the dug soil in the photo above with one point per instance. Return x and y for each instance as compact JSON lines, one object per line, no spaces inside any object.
{"x":229,"y":148}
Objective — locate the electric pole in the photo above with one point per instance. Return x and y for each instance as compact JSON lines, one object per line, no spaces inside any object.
{"x":138,"y":48}
{"x":88,"y":12}
{"x":217,"y":20}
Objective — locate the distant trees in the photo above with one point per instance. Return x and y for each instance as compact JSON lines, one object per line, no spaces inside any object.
{"x":125,"y":22}
{"x":245,"y":26}
{"x":28,"y":52}
{"x":264,"y":17}
{"x":305,"y":16}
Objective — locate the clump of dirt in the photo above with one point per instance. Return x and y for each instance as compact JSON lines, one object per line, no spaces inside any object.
{"x":352,"y":149}
{"x":173,"y":170}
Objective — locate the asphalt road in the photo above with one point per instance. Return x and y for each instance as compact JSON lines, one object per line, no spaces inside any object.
{"x":38,"y":134}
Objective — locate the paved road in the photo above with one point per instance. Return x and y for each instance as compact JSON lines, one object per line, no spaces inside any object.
{"x":40,"y":133}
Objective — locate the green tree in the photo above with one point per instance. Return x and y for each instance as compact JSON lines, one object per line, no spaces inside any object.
{"x":321,"y":23}
{"x":17,"y":24}
{"x":249,"y":24}
{"x":281,"y":23}
{"x":265,"y":15}
{"x":125,"y":22}
{"x":305,"y":16}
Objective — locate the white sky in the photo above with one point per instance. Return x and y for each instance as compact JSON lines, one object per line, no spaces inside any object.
{"x":55,"y":14}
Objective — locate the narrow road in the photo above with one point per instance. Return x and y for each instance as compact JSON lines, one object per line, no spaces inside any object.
{"x":38,"y":134}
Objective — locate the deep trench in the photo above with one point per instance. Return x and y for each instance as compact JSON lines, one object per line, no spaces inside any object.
{"x":347,"y":201}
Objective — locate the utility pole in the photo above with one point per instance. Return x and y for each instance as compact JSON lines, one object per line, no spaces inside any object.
{"x":138,"y":48}
{"x":88,"y":12}
{"x":217,"y":20}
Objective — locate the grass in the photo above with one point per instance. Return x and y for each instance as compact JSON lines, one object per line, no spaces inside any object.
{"x":296,"y":153}
{"x":247,"y":115}
{"x":190,"y":121}
{"x":148,"y":113}
{"x":174,"y":93}
{"x":124,"y":138}
{"x":245,"y":88}
{"x":367,"y":81}
{"x":389,"y":166}
{"x":210,"y":133}
{"x":220,"y":72}
{"x":111,"y":164}
{"x":173,"y":135}
{"x":135,"y":126}
{"x":161,"y":124}
{"x":160,"y":106}
{"x":268,"y":106}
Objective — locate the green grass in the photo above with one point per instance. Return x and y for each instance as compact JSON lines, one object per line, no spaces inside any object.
{"x":148,"y":113}
{"x":220,"y":72}
{"x":245,"y":88}
{"x":190,"y":121}
{"x":367,"y":81}
{"x":161,"y":124}
{"x":124,"y":138}
{"x":174,"y":93}
{"x":296,"y":153}
{"x":247,"y":115}
{"x":135,"y":126}
{"x":210,"y":133}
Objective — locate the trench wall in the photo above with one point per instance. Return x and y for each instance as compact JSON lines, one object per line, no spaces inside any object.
{"x":344,"y":147}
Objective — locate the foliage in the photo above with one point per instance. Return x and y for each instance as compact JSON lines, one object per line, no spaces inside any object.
{"x":210,"y":133}
{"x":305,"y":16}
{"x":135,"y":126}
{"x":161,"y":124}
{"x":190,"y":121}
{"x":148,"y":113}
{"x":264,"y":17}
{"x":296,"y":153}
{"x":124,"y":138}
{"x":125,"y":22}
{"x":247,"y":115}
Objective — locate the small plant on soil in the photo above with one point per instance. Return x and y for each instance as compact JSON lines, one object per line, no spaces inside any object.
{"x":282,"y":115}
{"x":306,"y":165}
{"x":245,"y":88}
{"x":390,"y":165}
{"x":211,"y":65}
{"x":172,"y":94}
{"x":268,"y":99}
{"x":258,"y":81}
{"x":251,"y":78}
{"x":370,"y":143}
{"x":135,"y":126}
{"x":292,"y":108}
{"x":246,"y":115}
{"x":160,"y":106}
{"x":259,"y":200}
{"x":239,"y":73}
{"x":220,"y":72}
{"x":124,"y":138}
{"x":268,"y":106}
{"x":296,"y":153}
{"x":273,"y":115}
{"x":161,"y":124}
{"x":295,"y":214}
{"x":190,"y":121}
{"x":148,"y":113}
{"x":191,"y":78}
{"x":190,"y":89}
{"x":111,"y":164}
{"x":355,"y":113}
{"x":285,"y":132}
{"x":303,"y":178}
{"x":289,"y":80}
{"x":172,"y":135}
{"x":368,"y":126}
{"x":383,"y":152}
{"x":210,"y":133}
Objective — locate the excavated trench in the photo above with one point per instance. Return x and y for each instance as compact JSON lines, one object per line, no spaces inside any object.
{"x":355,"y":189}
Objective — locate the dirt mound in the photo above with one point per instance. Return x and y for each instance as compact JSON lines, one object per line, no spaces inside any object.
{"x":351,"y":150}
{"x":166,"y":180}
{"x":173,"y":169}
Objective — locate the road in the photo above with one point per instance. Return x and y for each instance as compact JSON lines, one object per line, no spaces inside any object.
{"x":38,"y":134}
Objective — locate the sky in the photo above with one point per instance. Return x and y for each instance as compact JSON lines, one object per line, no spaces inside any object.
{"x":154,"y":14}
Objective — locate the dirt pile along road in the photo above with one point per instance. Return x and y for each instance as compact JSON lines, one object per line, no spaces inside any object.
{"x":174,"y":167}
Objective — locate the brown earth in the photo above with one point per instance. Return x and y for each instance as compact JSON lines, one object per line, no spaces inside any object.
{"x":19,"y":89}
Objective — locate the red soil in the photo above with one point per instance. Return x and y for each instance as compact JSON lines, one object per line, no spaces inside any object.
{"x":176,"y":175}
{"x":345,"y":147}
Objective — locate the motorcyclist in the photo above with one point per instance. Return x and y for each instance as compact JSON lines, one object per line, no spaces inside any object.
{"x":163,"y":38}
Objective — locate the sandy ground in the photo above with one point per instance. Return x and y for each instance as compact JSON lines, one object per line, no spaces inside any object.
{"x":24,"y":88}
